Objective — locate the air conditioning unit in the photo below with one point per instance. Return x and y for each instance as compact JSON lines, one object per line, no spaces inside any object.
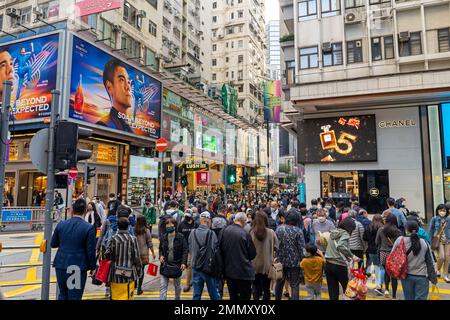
{"x":142,"y":14}
{"x":326,"y":47}
{"x":385,"y":13}
{"x":354,"y":17}
{"x":116,"y":28}
{"x":358,"y":44}
{"x":39,"y":12}
{"x":404,"y":36}
{"x":376,"y":40}
{"x":13,"y":12}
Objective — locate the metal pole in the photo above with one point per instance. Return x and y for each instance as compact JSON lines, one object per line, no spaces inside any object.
{"x":226,"y":170}
{"x":6,"y":100}
{"x":173,"y":177}
{"x":161,"y":182}
{"x":257,"y":162}
{"x":85,"y":185}
{"x":268,"y":156}
{"x":49,"y":198}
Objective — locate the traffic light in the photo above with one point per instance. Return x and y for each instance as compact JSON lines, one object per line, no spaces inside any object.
{"x":90,"y":174}
{"x":231,"y":175}
{"x":67,"y":135}
{"x":245,"y":179}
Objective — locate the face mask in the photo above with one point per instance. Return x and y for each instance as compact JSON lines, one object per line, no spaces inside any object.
{"x":442,"y":213}
{"x":328,"y":207}
{"x":111,"y":199}
{"x":322,"y":219}
{"x":170,"y":229}
{"x":188,"y":219}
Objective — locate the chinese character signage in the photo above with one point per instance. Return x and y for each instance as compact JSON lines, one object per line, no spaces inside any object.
{"x":16,"y":215}
{"x":87,"y":7}
{"x":107,"y":92}
{"x":341,"y":139}
{"x":32,"y":67}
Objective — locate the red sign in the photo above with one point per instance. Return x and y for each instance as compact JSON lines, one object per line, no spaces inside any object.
{"x":203,"y":178}
{"x":162,"y":144}
{"x":87,"y":7}
{"x":73,"y":173}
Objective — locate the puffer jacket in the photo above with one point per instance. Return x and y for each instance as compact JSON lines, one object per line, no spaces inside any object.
{"x":357,"y":237}
{"x":338,"y":249}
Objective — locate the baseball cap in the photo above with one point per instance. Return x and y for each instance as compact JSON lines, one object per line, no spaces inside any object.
{"x":205,"y":214}
{"x":188,"y":213}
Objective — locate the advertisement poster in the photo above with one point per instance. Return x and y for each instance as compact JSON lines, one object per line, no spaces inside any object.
{"x":272,"y":101}
{"x":87,"y":7}
{"x":108,"y":92}
{"x":203,"y":178}
{"x":32,"y":67}
{"x":349,"y":138}
{"x":142,"y":167}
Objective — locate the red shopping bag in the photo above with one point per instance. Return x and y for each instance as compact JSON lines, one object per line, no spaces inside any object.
{"x":152,"y":269}
{"x":103,"y":270}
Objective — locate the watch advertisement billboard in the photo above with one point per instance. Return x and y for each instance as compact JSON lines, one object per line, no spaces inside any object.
{"x":108,"y":92}
{"x":32,"y":66}
{"x":340,"y":139}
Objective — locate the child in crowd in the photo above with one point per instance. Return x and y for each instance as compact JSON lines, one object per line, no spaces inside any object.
{"x":313,"y":265}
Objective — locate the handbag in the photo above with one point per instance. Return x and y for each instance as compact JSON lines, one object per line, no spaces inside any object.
{"x":435,"y":242}
{"x":276,"y":269}
{"x":171,"y":271}
{"x":435,"y":295}
{"x":103,"y":270}
{"x":95,"y":281}
{"x":152,"y":269}
{"x":123,"y":272}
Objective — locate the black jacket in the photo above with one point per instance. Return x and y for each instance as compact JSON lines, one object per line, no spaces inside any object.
{"x":185,"y":228}
{"x":370,"y":234}
{"x":180,"y":249}
{"x":238,"y":251}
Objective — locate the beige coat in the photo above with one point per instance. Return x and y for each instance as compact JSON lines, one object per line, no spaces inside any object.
{"x":264,"y":251}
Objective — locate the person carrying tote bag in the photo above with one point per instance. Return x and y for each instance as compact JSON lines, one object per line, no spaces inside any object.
{"x":439,"y":232}
{"x":126,"y":266}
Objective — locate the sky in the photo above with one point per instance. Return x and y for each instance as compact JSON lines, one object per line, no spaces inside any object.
{"x":272,"y":10}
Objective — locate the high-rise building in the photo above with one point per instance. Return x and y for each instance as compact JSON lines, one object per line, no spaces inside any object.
{"x":365,"y":84}
{"x":238,"y":52}
{"x":273,"y":49}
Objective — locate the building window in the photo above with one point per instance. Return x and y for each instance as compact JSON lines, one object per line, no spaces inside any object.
{"x":1,"y":22}
{"x":379,"y":1}
{"x":230,"y":30}
{"x":232,"y":16}
{"x":240,"y":58}
{"x":240,"y":13}
{"x":25,"y":15}
{"x":307,"y":8}
{"x":232,"y":44}
{"x":131,"y":15}
{"x":214,"y":77}
{"x":232,"y":74}
{"x":354,"y":4}
{"x":290,"y":72}
{"x":239,"y":1}
{"x":444,"y":40}
{"x":240,"y":75}
{"x":105,"y":32}
{"x":354,"y":51}
{"x":240,"y":43}
{"x":333,"y":58}
{"x":214,"y":19}
{"x":214,"y":5}
{"x":154,"y":3}
{"x":309,"y":57}
{"x":388,"y":47}
{"x":376,"y":49}
{"x":131,"y":46}
{"x":330,"y":7}
{"x":214,"y":48}
{"x":214,"y":62}
{"x":241,"y":88}
{"x":150,"y":59}
{"x":411,"y":46}
{"x":152,"y":28}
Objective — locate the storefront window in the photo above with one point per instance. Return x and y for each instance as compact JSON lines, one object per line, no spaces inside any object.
{"x":445,"y":113}
{"x":435,"y":154}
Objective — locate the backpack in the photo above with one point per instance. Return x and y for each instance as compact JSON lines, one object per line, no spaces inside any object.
{"x":397,"y":261}
{"x":208,"y":259}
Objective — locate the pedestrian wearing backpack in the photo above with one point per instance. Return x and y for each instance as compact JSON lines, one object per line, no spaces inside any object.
{"x":420,"y":269}
{"x":201,"y":240}
{"x":238,"y":252}
{"x":439,"y":232}
{"x":185,"y":228}
{"x":385,"y":239}
{"x":173,"y":256}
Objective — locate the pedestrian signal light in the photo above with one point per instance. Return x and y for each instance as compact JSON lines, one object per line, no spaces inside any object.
{"x":231,"y":176}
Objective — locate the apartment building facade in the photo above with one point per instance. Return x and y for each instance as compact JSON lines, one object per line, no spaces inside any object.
{"x":381,"y":64}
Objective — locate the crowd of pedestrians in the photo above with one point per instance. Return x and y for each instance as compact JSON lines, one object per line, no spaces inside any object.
{"x":258,"y":246}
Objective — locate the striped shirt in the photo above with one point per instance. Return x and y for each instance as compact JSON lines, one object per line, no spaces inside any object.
{"x":123,"y":251}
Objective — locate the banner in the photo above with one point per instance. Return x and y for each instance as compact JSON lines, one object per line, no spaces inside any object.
{"x":32,"y":67}
{"x":108,"y":92}
{"x":272,"y":101}
{"x":87,"y":7}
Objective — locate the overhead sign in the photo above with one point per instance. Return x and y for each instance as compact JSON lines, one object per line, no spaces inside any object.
{"x":33,"y":68}
{"x":108,"y":92}
{"x":196,"y":166}
{"x":9,"y":215}
{"x":87,"y":7}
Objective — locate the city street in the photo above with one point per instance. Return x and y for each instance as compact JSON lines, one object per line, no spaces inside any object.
{"x":25,"y":275}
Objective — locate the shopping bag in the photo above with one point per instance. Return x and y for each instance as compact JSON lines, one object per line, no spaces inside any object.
{"x":99,"y":231}
{"x":435,"y":293}
{"x":152,"y":269}
{"x":357,"y":286}
{"x":103,"y":270}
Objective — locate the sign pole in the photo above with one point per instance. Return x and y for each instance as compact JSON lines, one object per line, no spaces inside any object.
{"x":49,"y":198}
{"x":6,"y":99}
{"x":161,"y":193}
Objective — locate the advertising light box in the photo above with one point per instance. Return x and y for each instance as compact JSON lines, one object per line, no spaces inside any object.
{"x":142,"y":167}
{"x":341,"y":139}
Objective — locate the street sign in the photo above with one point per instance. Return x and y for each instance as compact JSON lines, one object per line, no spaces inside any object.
{"x":73,"y":172}
{"x":162,"y":144}
{"x":9,"y":215}
{"x":38,"y":150}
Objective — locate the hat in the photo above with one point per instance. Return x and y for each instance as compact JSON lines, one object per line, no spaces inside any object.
{"x":188,"y":213}
{"x":205,"y":214}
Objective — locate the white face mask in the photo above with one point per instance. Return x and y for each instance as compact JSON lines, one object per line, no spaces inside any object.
{"x":322,"y":219}
{"x":442,"y":213}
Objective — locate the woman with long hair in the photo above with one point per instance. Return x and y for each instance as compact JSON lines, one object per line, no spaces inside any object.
{"x":92,"y":216}
{"x":266,"y":243}
{"x":385,"y":238}
{"x":370,"y":235}
{"x":144,"y":240}
{"x":440,"y":230}
{"x":420,"y":269}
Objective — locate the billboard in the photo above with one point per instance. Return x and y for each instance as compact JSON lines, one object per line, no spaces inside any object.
{"x":272,"y":101}
{"x":107,"y":92}
{"x":142,"y":167}
{"x":87,"y":7}
{"x":341,"y":139}
{"x":32,"y":67}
